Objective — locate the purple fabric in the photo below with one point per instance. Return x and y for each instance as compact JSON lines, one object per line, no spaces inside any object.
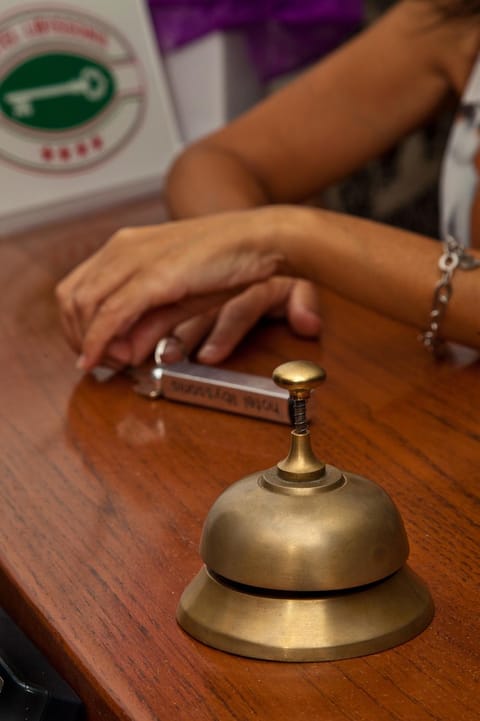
{"x":277,"y":48}
{"x":178,"y":22}
{"x":282,"y":34}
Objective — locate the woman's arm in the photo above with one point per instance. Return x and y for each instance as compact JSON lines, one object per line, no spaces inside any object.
{"x":162,"y":275}
{"x":349,"y":108}
{"x":381,"y":267}
{"x":146,"y":282}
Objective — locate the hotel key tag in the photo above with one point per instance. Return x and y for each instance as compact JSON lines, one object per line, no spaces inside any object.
{"x":202,"y":385}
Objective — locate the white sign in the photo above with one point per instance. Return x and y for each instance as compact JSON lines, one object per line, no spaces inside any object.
{"x":85,"y":114}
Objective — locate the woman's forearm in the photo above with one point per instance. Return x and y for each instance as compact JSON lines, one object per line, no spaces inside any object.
{"x":384,"y":268}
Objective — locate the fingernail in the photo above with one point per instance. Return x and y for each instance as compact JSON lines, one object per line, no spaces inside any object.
{"x":81,"y":363}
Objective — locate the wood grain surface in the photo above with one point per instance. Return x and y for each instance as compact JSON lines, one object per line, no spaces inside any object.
{"x":103,"y":495}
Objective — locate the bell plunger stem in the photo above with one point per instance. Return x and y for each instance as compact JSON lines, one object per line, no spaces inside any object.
{"x":300,"y":378}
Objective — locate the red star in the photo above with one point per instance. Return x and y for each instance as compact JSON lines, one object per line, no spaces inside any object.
{"x":97,"y":142}
{"x":82,"y":149}
{"x":64,"y":153}
{"x":47,"y":153}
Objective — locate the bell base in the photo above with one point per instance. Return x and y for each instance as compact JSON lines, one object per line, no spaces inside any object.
{"x":305,"y":627}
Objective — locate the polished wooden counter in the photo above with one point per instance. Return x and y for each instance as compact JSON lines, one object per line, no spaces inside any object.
{"x":103,"y":495}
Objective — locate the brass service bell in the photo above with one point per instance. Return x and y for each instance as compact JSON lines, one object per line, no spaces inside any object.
{"x":303,"y":561}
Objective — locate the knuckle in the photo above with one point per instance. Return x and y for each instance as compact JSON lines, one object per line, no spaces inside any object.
{"x":82,"y":302}
{"x":110,"y":308}
{"x":62,"y":293}
{"x":65,"y":300}
{"x":121,"y":237}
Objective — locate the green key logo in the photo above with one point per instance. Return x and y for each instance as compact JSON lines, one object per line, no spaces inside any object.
{"x":56,"y":91}
{"x":71,"y":90}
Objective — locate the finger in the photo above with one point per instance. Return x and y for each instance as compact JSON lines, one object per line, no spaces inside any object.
{"x":145,"y":334}
{"x":68,"y":315}
{"x":118,"y":352}
{"x":94,"y":289}
{"x":192,"y":331}
{"x":303,"y":309}
{"x":68,"y":328}
{"x":122,"y":313}
{"x":111,"y":363}
{"x":133,"y":346}
{"x":238,"y":316}
{"x":65,"y":293}
{"x":142,"y":339}
{"x":82,"y":292}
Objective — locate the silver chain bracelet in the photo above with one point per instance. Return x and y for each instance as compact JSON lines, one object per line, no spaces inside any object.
{"x":454,"y":256}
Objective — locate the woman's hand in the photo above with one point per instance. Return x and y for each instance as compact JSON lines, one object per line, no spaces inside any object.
{"x":279,"y":297}
{"x":191,"y":277}
{"x":217,"y":332}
